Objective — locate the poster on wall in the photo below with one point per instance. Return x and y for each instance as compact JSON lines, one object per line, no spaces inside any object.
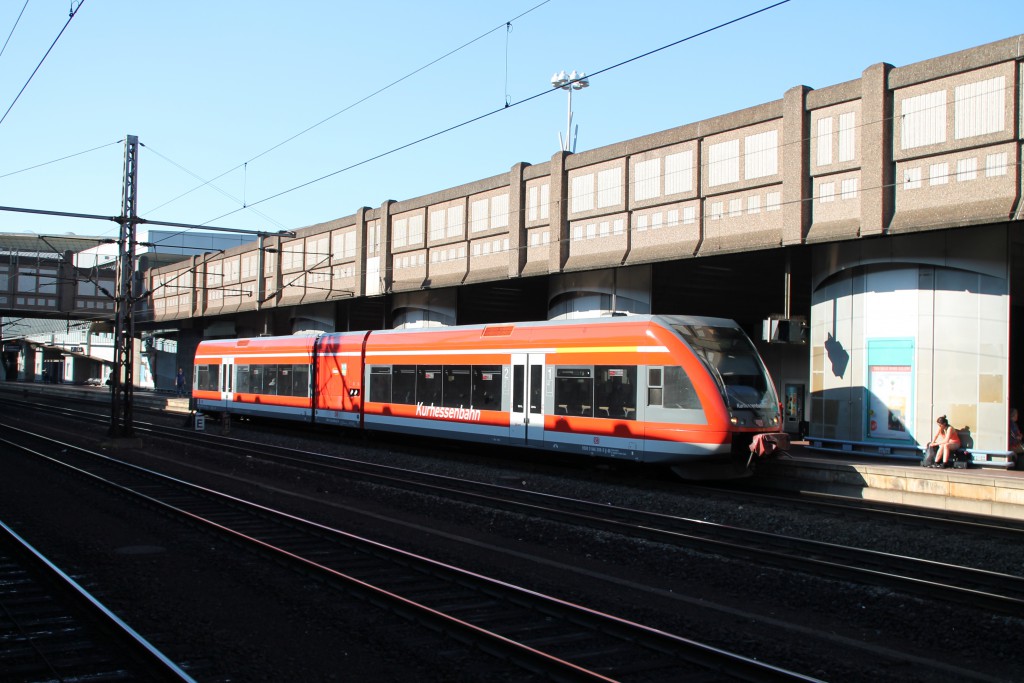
{"x":890,"y":401}
{"x":794,"y":402}
{"x":890,"y":389}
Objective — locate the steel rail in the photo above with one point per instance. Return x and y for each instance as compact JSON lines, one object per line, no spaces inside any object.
{"x":582,"y":634}
{"x":935,"y":580}
{"x":57,"y":630}
{"x":965,"y":522}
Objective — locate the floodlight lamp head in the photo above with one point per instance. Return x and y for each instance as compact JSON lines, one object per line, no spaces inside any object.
{"x":560,"y":80}
{"x":581,"y":80}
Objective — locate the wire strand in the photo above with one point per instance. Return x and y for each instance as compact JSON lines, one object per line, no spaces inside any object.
{"x":495,"y":111}
{"x":357,"y":103}
{"x":508,"y":34}
{"x":230,"y":196}
{"x":65,"y":158}
{"x":16,"y":22}
{"x":74,"y":12}
{"x":399,"y":80}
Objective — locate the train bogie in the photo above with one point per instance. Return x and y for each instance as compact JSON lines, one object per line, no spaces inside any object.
{"x":682,"y":391}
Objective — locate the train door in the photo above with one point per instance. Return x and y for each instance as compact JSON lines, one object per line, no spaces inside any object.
{"x":227,"y":381}
{"x":526,"y":425}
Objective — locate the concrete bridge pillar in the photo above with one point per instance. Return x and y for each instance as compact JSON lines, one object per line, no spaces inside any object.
{"x":878,"y":170}
{"x":908,"y":329}
{"x":424,"y":308}
{"x":592,"y":293}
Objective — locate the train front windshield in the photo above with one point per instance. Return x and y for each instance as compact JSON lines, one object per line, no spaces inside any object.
{"x":737,"y":367}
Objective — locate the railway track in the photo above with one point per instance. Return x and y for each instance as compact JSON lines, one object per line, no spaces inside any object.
{"x":940,"y":581}
{"x":543,"y":634}
{"x":52,"y":629}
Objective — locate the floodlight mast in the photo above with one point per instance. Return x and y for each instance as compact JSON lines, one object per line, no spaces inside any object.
{"x":569,"y":82}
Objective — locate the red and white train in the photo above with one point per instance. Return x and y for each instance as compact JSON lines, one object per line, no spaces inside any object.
{"x":684,"y":391}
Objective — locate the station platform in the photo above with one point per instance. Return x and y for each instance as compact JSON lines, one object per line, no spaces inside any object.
{"x":985,"y":491}
{"x":154,"y":400}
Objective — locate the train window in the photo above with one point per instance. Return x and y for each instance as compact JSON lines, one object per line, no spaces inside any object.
{"x":270,"y":380}
{"x":518,"y":388}
{"x":242,"y":379}
{"x":429,"y":380}
{"x":456,"y":386}
{"x":735,"y":361}
{"x":615,"y":391}
{"x":256,"y":379}
{"x":487,"y":387}
{"x":745,"y":383}
{"x":380,"y":384}
{"x":279,"y":380}
{"x":536,"y":388}
{"x":655,"y":390}
{"x":300,"y":381}
{"x":403,"y":384}
{"x":207,"y":377}
{"x":574,"y":392}
{"x":679,"y":391}
{"x":284,"y":380}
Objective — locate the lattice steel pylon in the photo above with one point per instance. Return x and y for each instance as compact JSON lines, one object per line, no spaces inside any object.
{"x":122,"y":379}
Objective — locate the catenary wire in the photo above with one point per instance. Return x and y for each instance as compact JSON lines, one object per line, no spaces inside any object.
{"x":64,"y":158}
{"x":493,"y":112}
{"x":356,"y":103}
{"x":221,"y":191}
{"x":399,"y":80}
{"x":507,"y":104}
{"x":16,"y":22}
{"x":245,"y":205}
{"x":508,"y":36}
{"x":74,"y":11}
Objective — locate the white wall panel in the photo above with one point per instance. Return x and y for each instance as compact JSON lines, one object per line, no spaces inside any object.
{"x":824,"y":157}
{"x":646,"y":182}
{"x":924,"y":120}
{"x":724,"y":163}
{"x":979,"y":108}
{"x":847,"y":136}
{"x":761,"y":154}
{"x":679,"y":172}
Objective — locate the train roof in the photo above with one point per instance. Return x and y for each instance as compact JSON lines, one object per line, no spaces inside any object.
{"x":667,"y":320}
{"x":293,"y":343}
{"x":494,"y":329}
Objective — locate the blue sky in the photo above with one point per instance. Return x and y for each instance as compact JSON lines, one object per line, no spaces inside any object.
{"x":211,"y":87}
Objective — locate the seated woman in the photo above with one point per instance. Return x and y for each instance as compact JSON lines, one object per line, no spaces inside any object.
{"x":946,"y":442}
